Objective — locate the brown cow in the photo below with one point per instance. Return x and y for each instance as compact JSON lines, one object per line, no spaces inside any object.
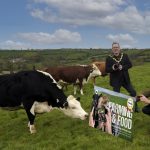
{"x":76,"y":75}
{"x":101,"y":66}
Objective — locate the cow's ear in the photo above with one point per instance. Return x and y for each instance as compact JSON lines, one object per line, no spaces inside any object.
{"x":78,"y":98}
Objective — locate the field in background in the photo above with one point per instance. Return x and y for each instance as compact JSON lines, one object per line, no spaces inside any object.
{"x":27,"y":59}
{"x":55,"y":131}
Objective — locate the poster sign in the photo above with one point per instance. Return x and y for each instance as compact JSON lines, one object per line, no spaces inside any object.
{"x":112,"y":112}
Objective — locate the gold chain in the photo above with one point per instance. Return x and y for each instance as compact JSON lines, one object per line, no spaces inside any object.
{"x":118,"y":61}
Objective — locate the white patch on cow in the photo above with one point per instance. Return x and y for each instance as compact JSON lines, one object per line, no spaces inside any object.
{"x":96,"y":72}
{"x":81,"y":91}
{"x":74,"y":109}
{"x":47,"y":74}
{"x":40,"y":107}
{"x":32,"y":129}
{"x":77,"y":81}
{"x":75,"y":86}
{"x":84,"y":81}
{"x":28,"y":124}
{"x":75,"y":89}
{"x":33,"y":108}
{"x":57,"y":100}
{"x":61,"y":81}
{"x":83,"y":65}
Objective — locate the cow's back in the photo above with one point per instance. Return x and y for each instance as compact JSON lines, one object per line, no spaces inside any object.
{"x":54,"y":72}
{"x":69,"y":73}
{"x":10,"y":90}
{"x":16,"y":87}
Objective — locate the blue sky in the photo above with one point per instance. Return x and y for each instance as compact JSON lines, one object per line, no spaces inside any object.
{"x":37,"y":24}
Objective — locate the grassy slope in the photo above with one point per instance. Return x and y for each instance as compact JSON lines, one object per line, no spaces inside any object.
{"x":59,"y":132}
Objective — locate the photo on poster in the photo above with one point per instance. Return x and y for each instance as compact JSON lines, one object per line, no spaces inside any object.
{"x":112,"y":112}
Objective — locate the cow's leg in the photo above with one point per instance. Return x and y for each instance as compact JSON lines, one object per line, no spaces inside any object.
{"x":81,"y":91}
{"x":94,"y":80}
{"x":31,"y":116}
{"x":81,"y":88}
{"x":75,"y":89}
{"x":66,"y":87}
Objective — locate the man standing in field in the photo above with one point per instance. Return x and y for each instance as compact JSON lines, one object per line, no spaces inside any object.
{"x":117,"y":64}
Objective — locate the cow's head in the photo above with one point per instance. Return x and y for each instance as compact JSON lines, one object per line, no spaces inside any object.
{"x":74,"y":109}
{"x":95,"y":71}
{"x":53,"y":91}
{"x":101,"y":66}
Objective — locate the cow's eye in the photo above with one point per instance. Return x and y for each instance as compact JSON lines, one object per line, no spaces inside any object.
{"x":72,"y":107}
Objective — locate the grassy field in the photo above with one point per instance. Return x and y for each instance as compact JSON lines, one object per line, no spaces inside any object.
{"x":55,"y":131}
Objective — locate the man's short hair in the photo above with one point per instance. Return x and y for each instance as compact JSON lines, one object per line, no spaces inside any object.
{"x":115,"y":43}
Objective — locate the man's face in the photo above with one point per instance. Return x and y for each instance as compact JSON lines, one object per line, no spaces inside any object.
{"x":116,"y":49}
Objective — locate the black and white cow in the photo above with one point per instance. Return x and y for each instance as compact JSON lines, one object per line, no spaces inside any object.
{"x":37,"y":92}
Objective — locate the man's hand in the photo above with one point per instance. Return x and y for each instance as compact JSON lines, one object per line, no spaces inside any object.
{"x":144,"y":99}
{"x":120,"y":67}
{"x":117,"y":66}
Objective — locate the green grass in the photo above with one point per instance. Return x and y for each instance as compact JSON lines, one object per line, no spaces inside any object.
{"x":55,"y":131}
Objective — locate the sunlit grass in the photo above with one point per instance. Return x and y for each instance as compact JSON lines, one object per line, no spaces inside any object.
{"x":55,"y":131}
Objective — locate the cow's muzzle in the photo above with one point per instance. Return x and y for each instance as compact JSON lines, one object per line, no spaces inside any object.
{"x":84,"y":117}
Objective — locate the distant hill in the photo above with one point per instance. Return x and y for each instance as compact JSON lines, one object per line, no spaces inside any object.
{"x":27,"y":59}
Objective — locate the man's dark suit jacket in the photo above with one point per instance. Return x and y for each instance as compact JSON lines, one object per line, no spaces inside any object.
{"x":118,"y":77}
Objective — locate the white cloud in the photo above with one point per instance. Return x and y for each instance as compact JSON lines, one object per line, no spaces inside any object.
{"x":126,"y":46}
{"x":125,"y":40}
{"x":70,"y":11}
{"x":84,"y":6}
{"x":9,"y":44}
{"x":130,"y":19}
{"x":117,"y":14}
{"x":60,"y":36}
{"x":41,"y":39}
{"x":121,"y":38}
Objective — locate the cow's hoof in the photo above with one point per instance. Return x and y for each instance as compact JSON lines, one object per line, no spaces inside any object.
{"x":32,"y":129}
{"x":28,"y":125}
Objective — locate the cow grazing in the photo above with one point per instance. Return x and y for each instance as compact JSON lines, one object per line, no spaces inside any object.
{"x":76,"y":75}
{"x":37,"y":92}
{"x":101,"y":66}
